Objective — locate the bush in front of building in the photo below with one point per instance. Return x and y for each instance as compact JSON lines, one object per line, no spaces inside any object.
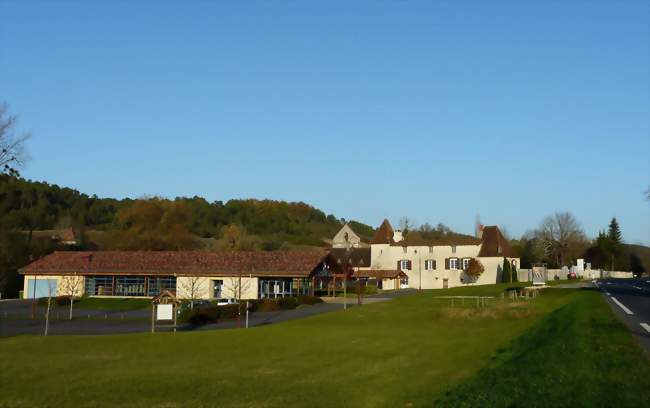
{"x":209,"y":314}
{"x":285,"y":303}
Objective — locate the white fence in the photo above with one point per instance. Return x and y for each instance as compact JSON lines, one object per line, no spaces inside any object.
{"x":526,"y":275}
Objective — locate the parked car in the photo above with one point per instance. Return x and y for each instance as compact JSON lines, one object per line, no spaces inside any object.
{"x":223,"y":302}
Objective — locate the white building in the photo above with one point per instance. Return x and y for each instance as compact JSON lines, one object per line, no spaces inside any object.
{"x":433,"y":264}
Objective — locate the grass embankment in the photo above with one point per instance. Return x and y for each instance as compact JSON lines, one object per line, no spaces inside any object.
{"x":579,"y":355}
{"x":405,"y":352}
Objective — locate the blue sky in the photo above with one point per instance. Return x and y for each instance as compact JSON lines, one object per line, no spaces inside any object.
{"x":436,"y":110}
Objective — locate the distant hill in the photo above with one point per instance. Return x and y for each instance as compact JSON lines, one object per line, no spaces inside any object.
{"x":30,"y":206}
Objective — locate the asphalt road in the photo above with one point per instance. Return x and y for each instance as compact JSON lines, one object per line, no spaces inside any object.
{"x":630,"y":300}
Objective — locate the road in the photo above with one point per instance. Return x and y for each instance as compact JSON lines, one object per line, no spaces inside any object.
{"x":630,"y":300}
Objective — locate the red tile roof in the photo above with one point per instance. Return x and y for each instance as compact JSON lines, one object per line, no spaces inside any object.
{"x":495,"y":244}
{"x":257,"y":263}
{"x":384,"y":234}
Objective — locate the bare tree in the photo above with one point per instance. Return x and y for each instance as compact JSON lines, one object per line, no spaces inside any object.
{"x":192,"y":285}
{"x":71,"y":287}
{"x":51,"y":293}
{"x":406,"y":225}
{"x":234,"y":289}
{"x":559,"y":234}
{"x":12,"y":146}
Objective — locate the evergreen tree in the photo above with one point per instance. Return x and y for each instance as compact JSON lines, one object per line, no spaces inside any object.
{"x":514,"y":274}
{"x":506,"y":275}
{"x":614,"y":232}
{"x":615,"y":241}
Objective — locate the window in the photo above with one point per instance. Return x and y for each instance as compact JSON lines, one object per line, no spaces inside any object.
{"x":453,"y":263}
{"x":217,"y":287}
{"x":99,"y":286}
{"x":453,"y":249}
{"x":157,"y":284}
{"x":405,"y":264}
{"x":430,"y":249}
{"x":465,"y":263}
{"x":129,"y":286}
{"x":430,"y":264}
{"x":404,"y":249}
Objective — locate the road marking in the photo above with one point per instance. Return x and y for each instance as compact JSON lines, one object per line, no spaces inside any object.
{"x":622,"y":306}
{"x":607,"y":293}
{"x":646,"y":326}
{"x":636,"y":287}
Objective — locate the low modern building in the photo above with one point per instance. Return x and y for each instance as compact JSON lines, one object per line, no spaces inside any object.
{"x":189,"y":274}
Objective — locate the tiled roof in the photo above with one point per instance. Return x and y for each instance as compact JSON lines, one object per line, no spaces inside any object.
{"x":379,"y":273}
{"x":257,"y":263}
{"x":358,"y":257}
{"x":384,"y":234}
{"x":494,"y":243}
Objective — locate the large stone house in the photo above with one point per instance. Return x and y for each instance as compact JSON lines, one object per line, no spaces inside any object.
{"x":433,"y":264}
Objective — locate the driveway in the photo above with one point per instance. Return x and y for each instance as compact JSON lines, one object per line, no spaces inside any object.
{"x":630,"y":300}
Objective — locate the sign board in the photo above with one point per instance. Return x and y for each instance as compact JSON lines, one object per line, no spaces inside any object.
{"x":539,"y":274}
{"x":165,"y":312}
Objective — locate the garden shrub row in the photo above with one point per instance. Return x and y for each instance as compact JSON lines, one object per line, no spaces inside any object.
{"x":212,"y":313}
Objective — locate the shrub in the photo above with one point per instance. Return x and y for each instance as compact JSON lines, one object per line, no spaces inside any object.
{"x":264,"y":305}
{"x":474,"y":268}
{"x":309,"y":300}
{"x":229,"y":311}
{"x":287,"y":303}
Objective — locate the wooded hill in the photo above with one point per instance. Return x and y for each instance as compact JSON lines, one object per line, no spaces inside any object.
{"x":31,"y":206}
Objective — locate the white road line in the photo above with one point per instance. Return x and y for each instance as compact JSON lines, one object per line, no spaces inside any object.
{"x":607,"y":293}
{"x":622,"y":306}
{"x":636,"y":287}
{"x":646,"y":326}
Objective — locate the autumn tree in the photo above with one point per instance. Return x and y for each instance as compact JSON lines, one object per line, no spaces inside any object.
{"x":191,"y":286}
{"x":153,"y":224}
{"x":474,"y":268}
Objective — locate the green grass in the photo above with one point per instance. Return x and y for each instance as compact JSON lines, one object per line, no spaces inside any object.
{"x":112,"y":304}
{"x":405,"y":352}
{"x":580,"y":355}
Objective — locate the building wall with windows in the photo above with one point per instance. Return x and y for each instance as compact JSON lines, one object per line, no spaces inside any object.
{"x":428,"y":267}
{"x":216,"y":287}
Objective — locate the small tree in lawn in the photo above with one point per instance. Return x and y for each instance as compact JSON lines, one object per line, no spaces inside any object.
{"x":51,"y":293}
{"x":474,"y":268}
{"x":235,"y":289}
{"x":506,"y":275}
{"x":71,"y":287}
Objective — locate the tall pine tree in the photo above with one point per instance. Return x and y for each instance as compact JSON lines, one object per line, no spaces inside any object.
{"x":615,"y":241}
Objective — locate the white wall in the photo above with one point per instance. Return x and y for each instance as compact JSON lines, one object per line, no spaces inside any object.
{"x":203,"y":287}
{"x":384,"y":256}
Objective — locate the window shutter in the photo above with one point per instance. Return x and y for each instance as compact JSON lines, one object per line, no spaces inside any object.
{"x":446,"y":263}
{"x":434,"y":264}
{"x":399,"y":267}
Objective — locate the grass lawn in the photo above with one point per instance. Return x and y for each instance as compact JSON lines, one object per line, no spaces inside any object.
{"x":112,"y":304}
{"x":406,"y":352}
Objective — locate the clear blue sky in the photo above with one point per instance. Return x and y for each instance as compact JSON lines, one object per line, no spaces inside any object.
{"x":433,"y":110}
